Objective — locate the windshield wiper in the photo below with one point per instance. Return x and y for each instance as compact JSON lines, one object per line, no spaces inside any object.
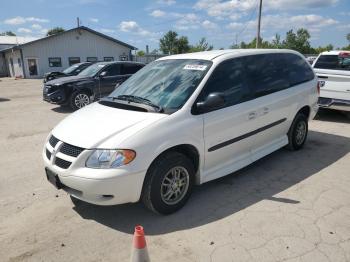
{"x":138,"y":99}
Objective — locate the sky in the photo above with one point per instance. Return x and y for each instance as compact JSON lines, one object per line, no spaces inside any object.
{"x":144,"y":22}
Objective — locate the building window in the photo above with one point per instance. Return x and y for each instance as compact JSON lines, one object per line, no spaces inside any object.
{"x":108,"y":58}
{"x":91,"y":59}
{"x":55,"y":62}
{"x":19,"y":62}
{"x":73,"y":60}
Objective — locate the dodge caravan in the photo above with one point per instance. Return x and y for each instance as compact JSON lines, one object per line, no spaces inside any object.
{"x":182,"y":120}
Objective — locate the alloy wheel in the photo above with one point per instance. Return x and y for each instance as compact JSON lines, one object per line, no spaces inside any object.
{"x":300,"y":132}
{"x":81,"y":100}
{"x":174,"y":185}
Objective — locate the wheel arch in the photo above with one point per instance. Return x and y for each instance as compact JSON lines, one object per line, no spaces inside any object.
{"x":305,"y":110}
{"x":86,"y":89}
{"x":189,"y":151}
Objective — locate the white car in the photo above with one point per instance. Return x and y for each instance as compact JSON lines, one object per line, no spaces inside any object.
{"x":182,"y":120}
{"x":333,"y":71}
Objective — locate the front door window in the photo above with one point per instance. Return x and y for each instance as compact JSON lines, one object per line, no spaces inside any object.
{"x":33,"y":67}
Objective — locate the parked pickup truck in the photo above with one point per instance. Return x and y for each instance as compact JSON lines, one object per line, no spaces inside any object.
{"x":333,"y":71}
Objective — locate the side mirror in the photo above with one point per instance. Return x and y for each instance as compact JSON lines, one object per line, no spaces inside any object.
{"x":212,"y":102}
{"x":104,"y":73}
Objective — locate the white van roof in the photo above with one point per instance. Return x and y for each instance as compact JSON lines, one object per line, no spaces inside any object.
{"x":334,"y":52}
{"x":211,"y":55}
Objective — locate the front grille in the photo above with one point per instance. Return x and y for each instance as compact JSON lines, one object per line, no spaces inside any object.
{"x":62,"y":163}
{"x":53,"y":141}
{"x":48,"y":154}
{"x":70,"y":150}
{"x":65,"y":149}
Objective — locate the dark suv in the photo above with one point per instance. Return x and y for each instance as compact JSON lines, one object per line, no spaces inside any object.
{"x":73,"y":70}
{"x":96,"y":81}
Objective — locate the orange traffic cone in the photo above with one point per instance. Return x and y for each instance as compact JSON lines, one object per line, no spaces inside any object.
{"x":139,"y":252}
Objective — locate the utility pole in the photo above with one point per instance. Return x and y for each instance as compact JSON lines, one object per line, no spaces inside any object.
{"x":259,"y":22}
{"x":78,"y":22}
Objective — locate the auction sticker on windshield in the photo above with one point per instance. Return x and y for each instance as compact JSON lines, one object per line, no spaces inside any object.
{"x":195,"y":67}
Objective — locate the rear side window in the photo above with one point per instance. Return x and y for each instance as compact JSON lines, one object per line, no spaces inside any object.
{"x":229,"y":79}
{"x":266,"y":73}
{"x":129,"y":69}
{"x":269,"y":73}
{"x":112,"y":70}
{"x":333,"y":62}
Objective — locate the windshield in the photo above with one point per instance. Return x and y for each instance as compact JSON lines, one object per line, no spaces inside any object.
{"x":70,"y":69}
{"x":165,"y":83}
{"x":91,"y":70}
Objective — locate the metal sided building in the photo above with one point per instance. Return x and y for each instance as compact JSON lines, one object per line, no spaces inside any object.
{"x":57,"y":52}
{"x":7,"y":42}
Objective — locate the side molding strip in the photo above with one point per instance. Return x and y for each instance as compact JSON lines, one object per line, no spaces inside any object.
{"x":236,"y":139}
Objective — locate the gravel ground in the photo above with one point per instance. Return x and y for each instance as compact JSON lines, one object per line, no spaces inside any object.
{"x":289,"y":206}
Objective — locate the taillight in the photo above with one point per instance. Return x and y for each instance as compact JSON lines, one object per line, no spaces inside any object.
{"x":344,"y":54}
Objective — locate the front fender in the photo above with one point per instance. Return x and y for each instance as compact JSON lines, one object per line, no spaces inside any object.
{"x":167,"y":133}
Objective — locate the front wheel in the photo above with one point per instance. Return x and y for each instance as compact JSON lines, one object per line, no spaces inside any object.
{"x":79,"y":99}
{"x":168,"y":183}
{"x":298,"y":132}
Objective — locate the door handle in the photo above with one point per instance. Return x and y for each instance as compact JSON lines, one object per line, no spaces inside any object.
{"x":251,"y":115}
{"x":265,"y":110}
{"x":325,"y":77}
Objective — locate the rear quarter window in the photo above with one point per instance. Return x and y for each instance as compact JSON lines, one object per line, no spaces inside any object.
{"x":298,"y":69}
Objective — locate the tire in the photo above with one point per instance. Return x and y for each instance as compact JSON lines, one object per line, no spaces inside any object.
{"x":79,"y":99}
{"x":160,"y":183}
{"x":297,"y":133}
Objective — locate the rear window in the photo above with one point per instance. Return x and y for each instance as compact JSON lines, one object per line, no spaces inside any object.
{"x":333,"y":62}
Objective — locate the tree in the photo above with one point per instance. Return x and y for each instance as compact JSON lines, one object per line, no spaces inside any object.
{"x":170,"y":43}
{"x":347,"y":47}
{"x":276,"y":42}
{"x":55,"y":30}
{"x":140,"y":53}
{"x":252,"y":44}
{"x":299,"y":41}
{"x":8,"y":33}
{"x":167,"y":44}
{"x":182,"y":45}
{"x":321,"y":49}
{"x":202,"y":45}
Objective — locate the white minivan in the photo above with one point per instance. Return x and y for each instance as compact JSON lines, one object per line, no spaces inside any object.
{"x":182,"y":120}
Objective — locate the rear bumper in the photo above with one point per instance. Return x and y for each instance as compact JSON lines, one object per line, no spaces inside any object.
{"x":332,"y":103}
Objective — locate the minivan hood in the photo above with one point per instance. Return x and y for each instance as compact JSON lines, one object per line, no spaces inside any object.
{"x":99,"y":126}
{"x":68,"y":79}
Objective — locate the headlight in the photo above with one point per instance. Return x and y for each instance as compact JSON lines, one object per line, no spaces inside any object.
{"x":105,"y":158}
